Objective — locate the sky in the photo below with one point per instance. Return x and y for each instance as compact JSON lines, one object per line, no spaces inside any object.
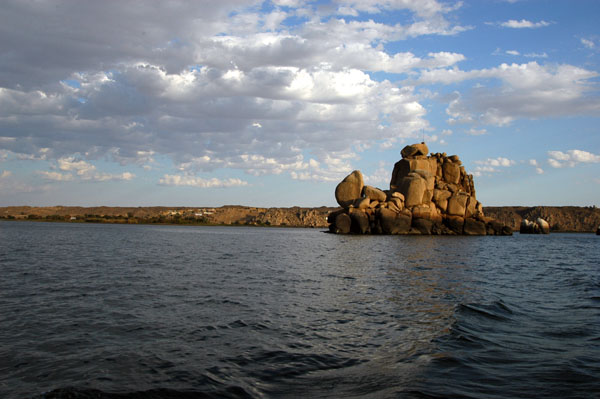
{"x":272,"y":103}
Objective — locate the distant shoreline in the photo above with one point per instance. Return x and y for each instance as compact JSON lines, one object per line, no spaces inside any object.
{"x":561,"y":219}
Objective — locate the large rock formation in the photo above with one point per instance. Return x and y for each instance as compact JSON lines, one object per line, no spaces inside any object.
{"x":428,"y":195}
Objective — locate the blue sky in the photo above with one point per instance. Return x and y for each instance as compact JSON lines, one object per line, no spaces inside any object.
{"x":271,"y":103}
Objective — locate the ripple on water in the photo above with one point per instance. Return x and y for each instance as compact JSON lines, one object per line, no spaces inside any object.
{"x":100,"y":311}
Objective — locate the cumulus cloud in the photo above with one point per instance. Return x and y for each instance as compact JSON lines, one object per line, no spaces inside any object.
{"x":232,"y":87}
{"x":293,"y":107}
{"x":527,"y":90}
{"x":80,"y":167}
{"x":512,"y":23}
{"x":55,"y":176}
{"x":77,"y":169}
{"x":332,"y":169}
{"x":133,"y":82}
{"x":588,"y":43}
{"x":535,"y":164}
{"x":381,"y":176}
{"x":494,"y":162}
{"x":194,"y":181}
{"x":570,"y":158}
{"x":492,"y":165}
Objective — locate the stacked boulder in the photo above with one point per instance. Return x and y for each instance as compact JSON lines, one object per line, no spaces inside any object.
{"x":539,"y":226}
{"x":428,"y":195}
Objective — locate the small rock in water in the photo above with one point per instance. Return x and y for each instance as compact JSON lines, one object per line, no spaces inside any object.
{"x":539,"y":226}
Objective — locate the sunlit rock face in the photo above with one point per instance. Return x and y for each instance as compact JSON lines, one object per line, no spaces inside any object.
{"x":428,"y":194}
{"x":538,"y":226}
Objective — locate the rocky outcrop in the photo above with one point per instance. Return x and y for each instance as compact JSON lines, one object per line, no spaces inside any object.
{"x":581,"y":219}
{"x":539,"y":226}
{"x":561,"y":219}
{"x":428,"y":195}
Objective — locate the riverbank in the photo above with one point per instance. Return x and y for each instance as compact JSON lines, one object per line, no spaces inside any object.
{"x":561,"y":219}
{"x":225,"y":215}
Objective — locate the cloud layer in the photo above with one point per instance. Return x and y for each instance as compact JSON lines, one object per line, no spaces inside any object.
{"x":226,"y":86}
{"x":253,"y":88}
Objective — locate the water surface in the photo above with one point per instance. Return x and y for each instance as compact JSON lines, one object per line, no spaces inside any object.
{"x":269,"y":312}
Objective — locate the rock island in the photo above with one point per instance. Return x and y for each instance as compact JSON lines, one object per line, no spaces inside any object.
{"x":428,"y":194}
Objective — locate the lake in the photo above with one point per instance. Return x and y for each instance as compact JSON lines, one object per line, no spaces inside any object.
{"x":119,"y":311}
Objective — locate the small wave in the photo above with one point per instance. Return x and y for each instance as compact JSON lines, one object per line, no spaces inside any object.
{"x":475,"y":326}
{"x":497,"y":310}
{"x":233,"y":392}
{"x":283,"y":364}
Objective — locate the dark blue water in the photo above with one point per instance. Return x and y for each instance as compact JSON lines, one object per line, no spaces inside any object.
{"x":165,"y":312}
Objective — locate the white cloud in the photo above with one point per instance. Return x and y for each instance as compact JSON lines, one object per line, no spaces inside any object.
{"x":535,"y":164}
{"x":55,"y":176}
{"x":536,"y":55}
{"x":83,"y":171}
{"x":512,"y":52}
{"x":126,"y":176}
{"x":588,"y":43}
{"x":333,"y":168}
{"x":457,"y":112}
{"x":5,"y":173}
{"x":193,"y":181}
{"x":494,"y":162}
{"x":288,"y":3}
{"x":491,"y":165}
{"x":80,"y":167}
{"x":423,"y":8}
{"x":290,"y":104}
{"x":524,"y":24}
{"x":138,"y":83}
{"x":527,"y":90}
{"x":559,"y":159}
{"x":381,"y":176}
{"x":476,"y":132}
{"x":185,"y":83}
